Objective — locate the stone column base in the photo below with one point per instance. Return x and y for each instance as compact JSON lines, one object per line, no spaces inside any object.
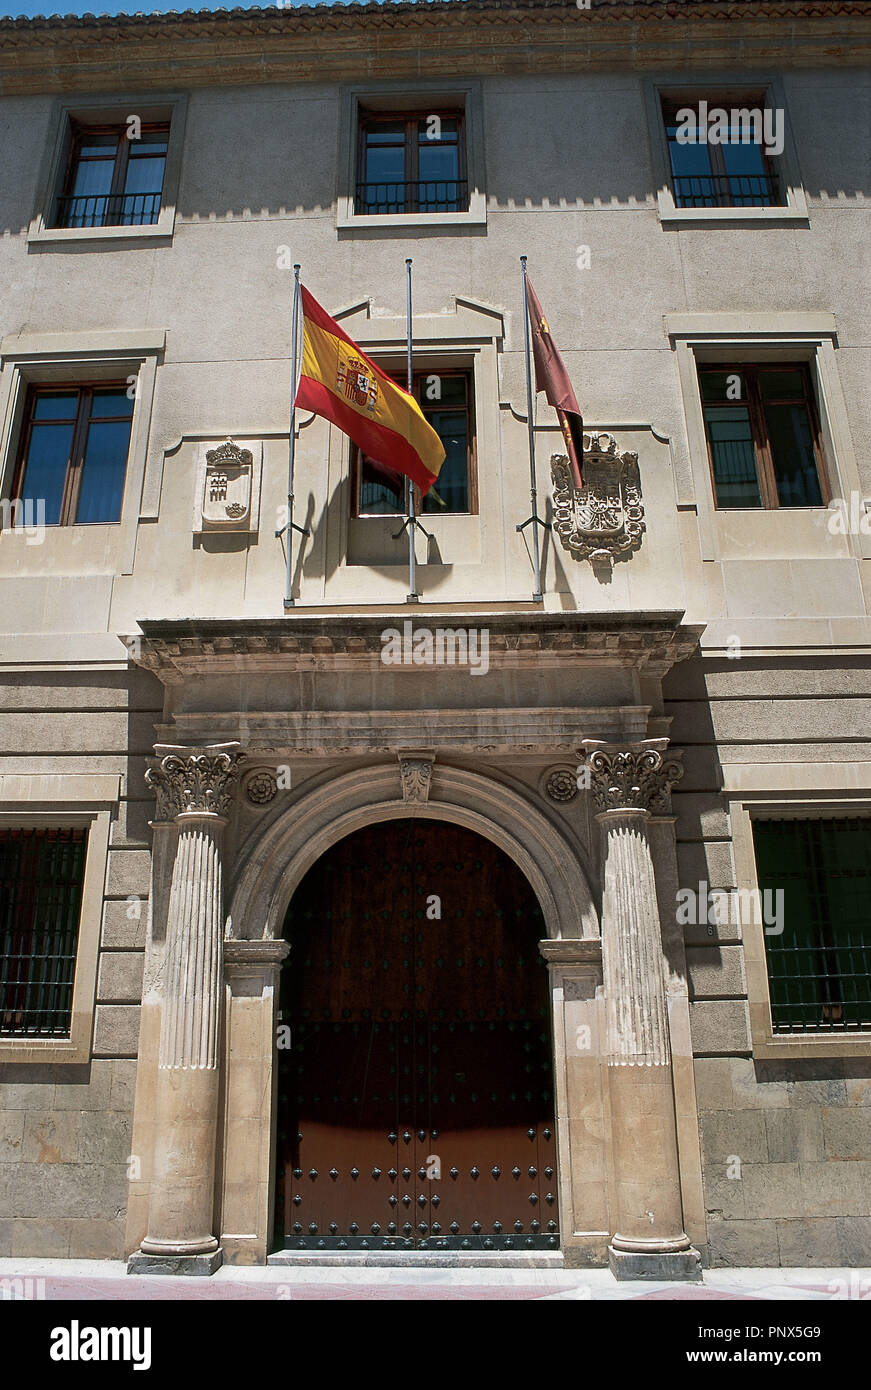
{"x":655,"y":1264}
{"x":139,"y":1263}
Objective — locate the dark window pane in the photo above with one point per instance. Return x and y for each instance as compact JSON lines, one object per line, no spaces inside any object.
{"x":382,"y":490}
{"x":722,"y":386}
{"x":734,"y":456}
{"x":688,"y":159}
{"x":385,"y":131}
{"x":144,"y":176}
{"x":451,"y":488}
{"x":103,"y":471}
{"x":111,"y":402}
{"x":439,"y":162}
{"x":56,"y":407}
{"x":384,"y":164}
{"x":45,"y":469}
{"x":819,"y":966}
{"x":777,"y":385}
{"x":448,"y":128}
{"x":743,"y":159}
{"x":789,"y":434}
{"x":93,"y":176}
{"x":435,"y":390}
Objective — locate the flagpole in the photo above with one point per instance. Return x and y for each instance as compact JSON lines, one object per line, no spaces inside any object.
{"x":290,"y":527}
{"x":411,"y":520}
{"x":534,"y":520}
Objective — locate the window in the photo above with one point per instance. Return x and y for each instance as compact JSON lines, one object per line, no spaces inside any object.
{"x":446,"y":401}
{"x":733,"y":165}
{"x":411,"y":163}
{"x":763,"y":435}
{"x":73,"y":455}
{"x":41,"y":877}
{"x":112,"y":180}
{"x":819,"y":967}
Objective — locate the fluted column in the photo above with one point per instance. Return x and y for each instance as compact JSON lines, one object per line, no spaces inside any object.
{"x":194,"y":786}
{"x":629,"y":782}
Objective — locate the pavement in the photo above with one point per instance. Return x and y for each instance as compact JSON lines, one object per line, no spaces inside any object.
{"x":96,"y":1280}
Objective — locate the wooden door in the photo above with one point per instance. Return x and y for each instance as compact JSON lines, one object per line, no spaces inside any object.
{"x":415,"y":1100}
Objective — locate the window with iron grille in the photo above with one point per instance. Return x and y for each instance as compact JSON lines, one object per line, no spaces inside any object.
{"x":819,"y":967}
{"x":411,"y":163}
{"x":41,"y":879}
{"x":763,"y":435}
{"x":111,"y":180}
{"x":734,"y":173}
{"x":446,"y":399}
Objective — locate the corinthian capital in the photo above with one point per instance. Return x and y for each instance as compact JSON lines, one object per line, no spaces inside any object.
{"x":632,"y":776}
{"x":194,"y":779}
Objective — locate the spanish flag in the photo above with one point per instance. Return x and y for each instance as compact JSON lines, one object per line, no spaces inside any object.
{"x":341,"y":383}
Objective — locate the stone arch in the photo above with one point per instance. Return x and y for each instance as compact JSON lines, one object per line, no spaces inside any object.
{"x":280,"y":855}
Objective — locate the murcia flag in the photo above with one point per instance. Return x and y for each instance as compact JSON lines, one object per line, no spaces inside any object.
{"x":552,"y":378}
{"x":341,"y":383}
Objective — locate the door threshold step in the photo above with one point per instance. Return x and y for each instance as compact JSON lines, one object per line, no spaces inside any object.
{"x":423,"y":1259}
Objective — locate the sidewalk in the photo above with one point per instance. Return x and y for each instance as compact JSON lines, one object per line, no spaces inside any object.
{"x":108,"y":1280}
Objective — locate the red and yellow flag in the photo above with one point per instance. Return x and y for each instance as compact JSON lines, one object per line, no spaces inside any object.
{"x":342,"y":384}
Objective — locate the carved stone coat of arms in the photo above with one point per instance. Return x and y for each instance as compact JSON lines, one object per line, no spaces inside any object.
{"x":604,"y":520}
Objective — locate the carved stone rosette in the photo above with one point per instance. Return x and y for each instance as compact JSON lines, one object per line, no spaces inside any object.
{"x":562,"y":785}
{"x":261,"y":787}
{"x":194,"y":779}
{"x":415,"y":774}
{"x":604,"y":520}
{"x":632,"y":776}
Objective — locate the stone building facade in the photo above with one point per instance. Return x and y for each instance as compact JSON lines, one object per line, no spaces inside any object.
{"x":695,"y":670}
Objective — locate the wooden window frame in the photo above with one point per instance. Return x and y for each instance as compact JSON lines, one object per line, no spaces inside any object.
{"x":727,"y":100}
{"x":80,"y":133}
{"x":765,"y":474}
{"x":73,"y":479}
{"x":472,"y":449}
{"x":412,"y":119}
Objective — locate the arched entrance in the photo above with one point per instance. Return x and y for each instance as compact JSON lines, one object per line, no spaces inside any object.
{"x":416,"y":1100}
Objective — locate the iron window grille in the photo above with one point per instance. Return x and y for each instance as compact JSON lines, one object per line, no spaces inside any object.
{"x":819,"y":967}
{"x":41,"y":880}
{"x":411,"y":163}
{"x":734,"y":174}
{"x":111,"y":180}
{"x":446,"y":399}
{"x":763,"y":435}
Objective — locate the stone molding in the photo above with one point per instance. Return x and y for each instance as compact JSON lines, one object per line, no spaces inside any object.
{"x":632,"y":777}
{"x":603,"y":521}
{"x":174,"y":648}
{"x":386,"y":41}
{"x":415,"y":773}
{"x":273,"y":859}
{"x":193,"y":781}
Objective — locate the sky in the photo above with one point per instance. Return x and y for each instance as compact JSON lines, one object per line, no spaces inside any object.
{"x":30,"y":8}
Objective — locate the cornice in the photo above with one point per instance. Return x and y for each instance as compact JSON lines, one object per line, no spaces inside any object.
{"x":424,"y":40}
{"x":177,"y":649}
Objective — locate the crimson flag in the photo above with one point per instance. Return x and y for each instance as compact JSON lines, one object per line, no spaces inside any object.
{"x":552,"y":378}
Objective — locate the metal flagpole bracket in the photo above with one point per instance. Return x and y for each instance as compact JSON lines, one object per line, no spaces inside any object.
{"x":534,"y":520}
